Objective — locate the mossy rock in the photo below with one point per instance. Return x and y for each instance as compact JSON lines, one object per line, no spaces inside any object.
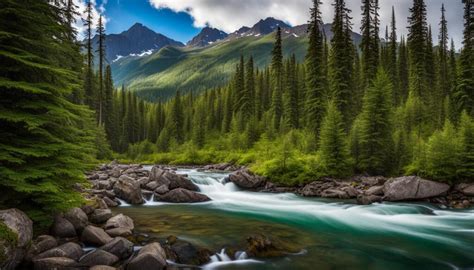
{"x":9,"y":240}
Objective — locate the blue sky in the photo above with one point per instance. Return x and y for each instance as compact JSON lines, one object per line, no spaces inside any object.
{"x":183,"y":19}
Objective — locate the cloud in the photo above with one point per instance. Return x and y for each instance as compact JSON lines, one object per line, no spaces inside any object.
{"x":230,"y":15}
{"x":96,"y":12}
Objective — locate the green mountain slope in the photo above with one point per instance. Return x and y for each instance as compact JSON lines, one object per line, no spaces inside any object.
{"x":160,"y":74}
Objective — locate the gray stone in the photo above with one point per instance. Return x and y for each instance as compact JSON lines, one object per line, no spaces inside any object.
{"x":120,"y":247}
{"x":102,"y":267}
{"x":110,"y":202}
{"x":77,"y":217}
{"x":100,"y":216}
{"x":334,"y":193}
{"x":162,"y":189}
{"x":128,"y":190}
{"x":62,"y":228}
{"x":40,"y":245}
{"x":245,"y":179}
{"x":56,"y":263}
{"x":375,"y":190}
{"x":119,"y":232}
{"x":95,"y":236}
{"x":368,"y":199}
{"x":181,"y":195}
{"x":69,"y":250}
{"x":150,"y":257}
{"x":120,"y":221}
{"x":98,"y":257}
{"x":412,"y":188}
{"x":19,"y":223}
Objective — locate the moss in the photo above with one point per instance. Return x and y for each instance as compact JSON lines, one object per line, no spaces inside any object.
{"x":8,"y":239}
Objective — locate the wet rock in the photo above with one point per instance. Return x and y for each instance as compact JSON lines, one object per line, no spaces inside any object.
{"x":128,"y":190}
{"x":412,"y":188}
{"x":40,"y":245}
{"x":181,"y":195}
{"x":120,"y":247}
{"x":334,"y":193}
{"x":156,"y":175}
{"x":98,"y":257}
{"x":186,"y":253}
{"x":162,"y":189}
{"x":375,"y":190}
{"x":13,"y":248}
{"x":102,"y":267}
{"x":373,"y":180}
{"x":95,"y":236}
{"x":466,"y":189}
{"x":152,"y":185}
{"x":364,"y":199}
{"x":87,"y":209}
{"x":100,"y":216}
{"x":78,"y":218}
{"x":260,"y":246}
{"x":350,"y":191}
{"x":143,"y":181}
{"x":62,"y":228}
{"x":179,"y":181}
{"x":245,"y":179}
{"x":124,"y":232}
{"x":69,"y":250}
{"x":110,"y":202}
{"x":120,"y":221}
{"x":56,"y":263}
{"x":104,"y":184}
{"x":150,"y":257}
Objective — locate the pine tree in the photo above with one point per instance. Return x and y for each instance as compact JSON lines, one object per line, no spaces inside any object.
{"x":249,"y":93}
{"x":375,"y":127}
{"x":292,"y":110}
{"x":392,"y":61}
{"x":333,"y":149}
{"x":370,"y":39}
{"x":89,"y":74}
{"x":176,"y":119}
{"x":277,"y":80}
{"x":403,"y":72}
{"x":109,"y":112}
{"x":101,"y":94}
{"x":443,"y":51}
{"x":315,"y":71}
{"x":466,"y":155}
{"x":199,"y":126}
{"x":40,"y":128}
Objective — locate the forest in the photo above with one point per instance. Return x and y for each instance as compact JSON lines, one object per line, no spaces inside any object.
{"x":392,"y":106}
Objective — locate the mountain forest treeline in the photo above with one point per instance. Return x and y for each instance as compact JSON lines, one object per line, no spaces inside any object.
{"x":398,"y":105}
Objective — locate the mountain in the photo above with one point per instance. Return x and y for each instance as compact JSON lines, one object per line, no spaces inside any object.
{"x":159,"y":75}
{"x":138,"y":40}
{"x":261,"y":28}
{"x":206,"y":37}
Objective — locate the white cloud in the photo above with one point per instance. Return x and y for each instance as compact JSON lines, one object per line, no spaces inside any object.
{"x":230,"y":15}
{"x":96,"y":12}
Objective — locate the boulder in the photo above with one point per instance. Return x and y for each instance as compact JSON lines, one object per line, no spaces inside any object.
{"x":98,"y":257}
{"x":95,"y":236}
{"x":77,"y":217}
{"x":350,"y":191}
{"x":128,"y":190}
{"x":100,"y":216}
{"x":150,"y":257}
{"x":120,"y":221}
{"x":412,"y":188}
{"x":373,"y":180}
{"x":467,"y":189}
{"x":102,"y":267}
{"x":152,"y":185}
{"x":119,"y":232}
{"x":104,"y":184}
{"x":179,"y":181}
{"x":16,"y":233}
{"x":110,"y":202}
{"x":260,"y":246}
{"x":334,"y":193}
{"x":162,"y":189}
{"x":62,"y":228}
{"x":116,"y":172}
{"x":181,"y":195}
{"x":245,"y":179}
{"x":69,"y":250}
{"x":155,"y":174}
{"x":375,"y":190}
{"x":187,"y":253}
{"x":364,"y":199}
{"x":40,"y":245}
{"x":120,"y":247}
{"x":56,"y":263}
{"x":143,"y":181}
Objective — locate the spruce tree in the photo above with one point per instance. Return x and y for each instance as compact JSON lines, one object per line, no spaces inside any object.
{"x":375,"y":127}
{"x":333,"y":150}
{"x":443,"y":54}
{"x":100,"y":97}
{"x":292,"y":110}
{"x":403,"y":72}
{"x":89,"y":74}
{"x":370,"y":39}
{"x":277,"y":81}
{"x":392,"y":61}
{"x":249,"y":92}
{"x":46,"y":141}
{"x":177,"y":119}
{"x":315,"y":71}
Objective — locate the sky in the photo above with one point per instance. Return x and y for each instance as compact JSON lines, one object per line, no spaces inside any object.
{"x":182,"y":19}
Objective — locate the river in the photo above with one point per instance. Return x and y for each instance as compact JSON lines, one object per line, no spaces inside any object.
{"x":324,"y":234}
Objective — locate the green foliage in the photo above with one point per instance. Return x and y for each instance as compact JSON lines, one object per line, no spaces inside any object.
{"x":465,"y":166}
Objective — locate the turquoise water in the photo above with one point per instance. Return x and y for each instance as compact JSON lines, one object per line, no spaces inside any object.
{"x":321,"y":234}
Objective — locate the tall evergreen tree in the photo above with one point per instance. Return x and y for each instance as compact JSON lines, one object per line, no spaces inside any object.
{"x":177,"y":119}
{"x":443,"y":54}
{"x":101,"y":50}
{"x":315,"y":70}
{"x":277,"y":80}
{"x":370,"y":39}
{"x":292,"y":110}
{"x":403,"y":71}
{"x":249,"y":92}
{"x":89,"y":74}
{"x":392,"y":53}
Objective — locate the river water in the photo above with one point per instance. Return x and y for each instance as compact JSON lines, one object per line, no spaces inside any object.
{"x":322,"y":234}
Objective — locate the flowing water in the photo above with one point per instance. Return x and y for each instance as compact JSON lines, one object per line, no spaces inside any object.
{"x":322,"y":234}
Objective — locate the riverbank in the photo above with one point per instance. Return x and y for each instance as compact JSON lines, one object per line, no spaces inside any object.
{"x":94,"y":235}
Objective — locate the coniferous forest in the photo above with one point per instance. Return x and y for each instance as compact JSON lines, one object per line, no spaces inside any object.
{"x":396,"y":105}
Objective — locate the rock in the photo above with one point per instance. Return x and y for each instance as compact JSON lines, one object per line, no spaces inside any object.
{"x":40,"y":245}
{"x":98,"y":257}
{"x":260,"y":246}
{"x":104,"y":184}
{"x":187,"y":253}
{"x":468,"y":189}
{"x":56,"y":263}
{"x":128,"y":190}
{"x":16,"y":233}
{"x":181,"y":195}
{"x":368,"y":199}
{"x":312,"y":189}
{"x":62,"y":228}
{"x":152,"y":185}
{"x":375,"y":190}
{"x":120,"y":221}
{"x":143,"y":181}
{"x":78,"y":218}
{"x":110,"y":202}
{"x":102,"y":267}
{"x":155,"y":174}
{"x":120,"y":247}
{"x":373,"y":180}
{"x":95,"y":236}
{"x":69,"y":250}
{"x":350,"y":191}
{"x":88,"y":209}
{"x":334,"y":193}
{"x":100,"y":216}
{"x":116,"y":172}
{"x":150,"y":257}
{"x":179,"y":181}
{"x":245,"y":179}
{"x":162,"y":189}
{"x":119,"y":232}
{"x":412,"y":188}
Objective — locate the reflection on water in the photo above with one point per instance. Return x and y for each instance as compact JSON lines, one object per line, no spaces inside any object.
{"x":333,"y":234}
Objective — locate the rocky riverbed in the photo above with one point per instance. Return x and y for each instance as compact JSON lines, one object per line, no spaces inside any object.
{"x":92,"y":237}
